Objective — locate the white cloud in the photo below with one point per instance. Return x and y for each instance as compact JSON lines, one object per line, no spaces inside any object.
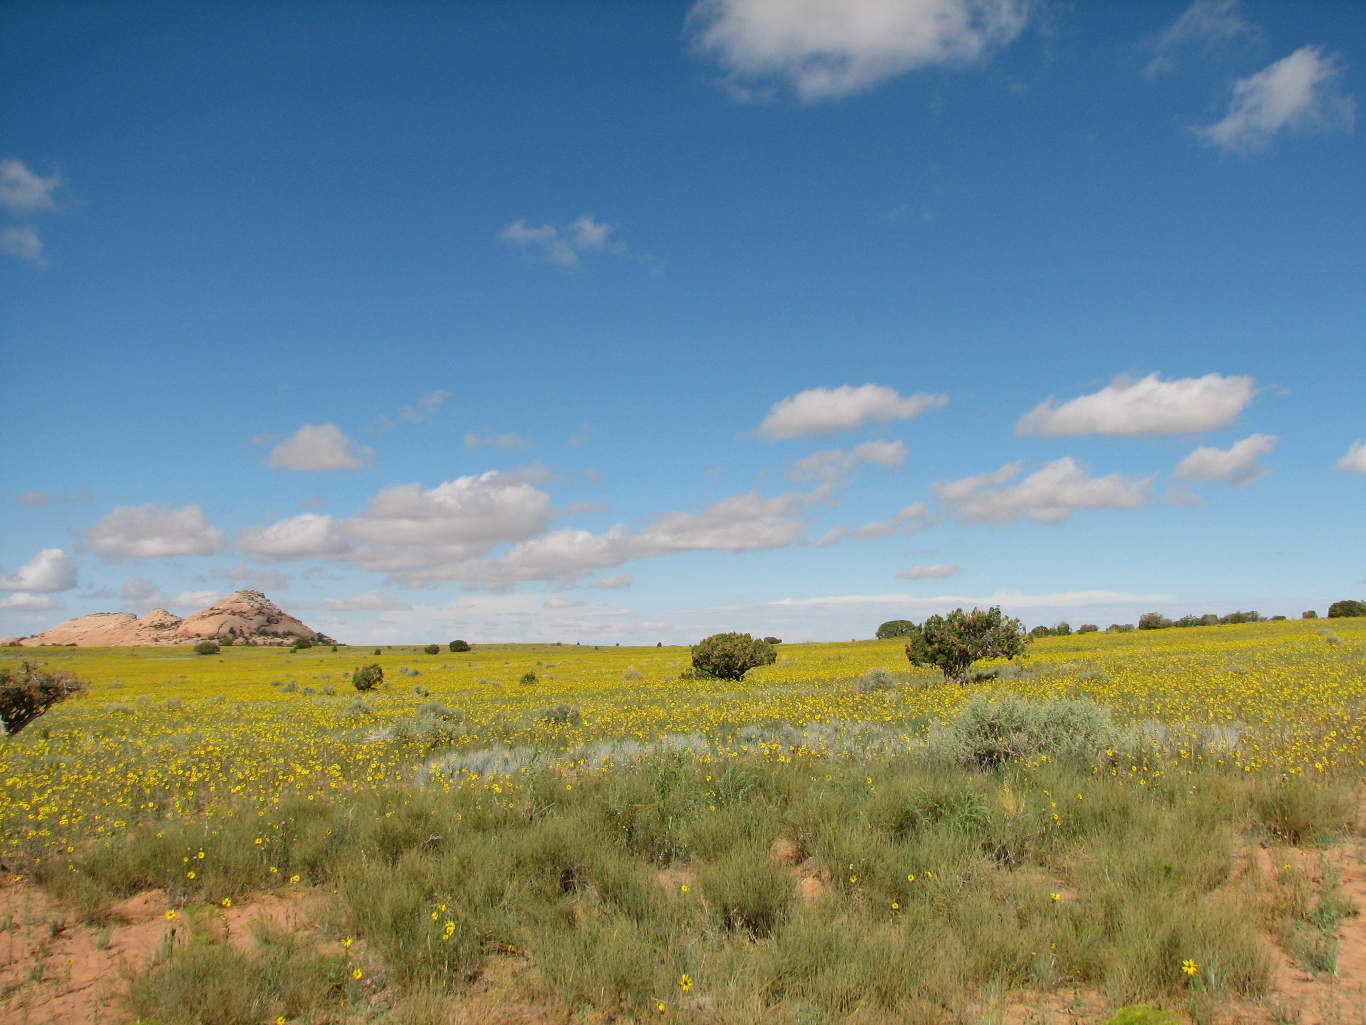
{"x":24,"y":243}
{"x":141,"y":591}
{"x":50,"y":570}
{"x":154,"y":531}
{"x":829,"y":48}
{"x":254,"y":577}
{"x":319,"y":447}
{"x":1299,"y":92}
{"x":425,"y":407}
{"x":910,"y":520}
{"x":614,"y":583}
{"x":422,"y":534}
{"x":936,"y":572}
{"x":740,"y":523}
{"x":39,"y":499}
{"x":305,"y":536}
{"x":563,"y":603}
{"x":23,"y":191}
{"x":821,"y":411}
{"x":23,"y":602}
{"x":1355,"y":459}
{"x":1236,"y":466}
{"x":368,"y":601}
{"x":506,"y":442}
{"x":195,"y":601}
{"x":1149,"y":406}
{"x":1049,"y":495}
{"x":834,"y":464}
{"x":1207,"y":24}
{"x":1005,"y":599}
{"x":564,"y":244}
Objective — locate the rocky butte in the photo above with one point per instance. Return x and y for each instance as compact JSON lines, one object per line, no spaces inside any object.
{"x":246,"y":617}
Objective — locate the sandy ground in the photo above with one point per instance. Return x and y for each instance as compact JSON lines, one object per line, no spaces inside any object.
{"x":56,"y":971}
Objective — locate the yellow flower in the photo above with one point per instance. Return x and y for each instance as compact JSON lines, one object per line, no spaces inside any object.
{"x":170,"y":916}
{"x":281,"y":1020}
{"x":226,"y":902}
{"x":1190,"y":967}
{"x":189,"y":875}
{"x":294,"y":879}
{"x":685,"y":982}
{"x":356,"y":973}
{"x":896,"y":905}
{"x":659,"y":1006}
{"x":346,"y":943}
{"x":1055,"y":897}
{"x":685,"y":888}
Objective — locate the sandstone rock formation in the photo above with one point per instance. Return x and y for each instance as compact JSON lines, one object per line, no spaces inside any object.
{"x":248,"y":617}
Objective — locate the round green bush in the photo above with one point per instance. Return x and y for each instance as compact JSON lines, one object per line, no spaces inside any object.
{"x":955,"y":641}
{"x":729,"y":656}
{"x":432,"y":649}
{"x":367,"y":677}
{"x":460,"y":646}
{"x":1346,"y":607}
{"x":206,"y":648}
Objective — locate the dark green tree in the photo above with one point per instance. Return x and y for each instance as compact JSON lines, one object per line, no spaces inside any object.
{"x":367,"y":677}
{"x":1346,"y":607}
{"x":895,"y":628}
{"x":27,"y":692}
{"x":460,"y":646}
{"x":955,"y":641}
{"x":729,"y":656}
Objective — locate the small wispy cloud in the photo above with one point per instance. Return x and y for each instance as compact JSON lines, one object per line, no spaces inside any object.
{"x":425,"y":407}
{"x":1206,"y":25}
{"x":24,"y":191}
{"x":564,"y":245}
{"x":506,"y":442}
{"x":1301,"y":92}
{"x":24,"y":243}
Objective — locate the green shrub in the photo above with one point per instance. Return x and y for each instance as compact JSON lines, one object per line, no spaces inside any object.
{"x":528,"y":678}
{"x":875,"y":680}
{"x":895,"y":628}
{"x":1309,"y":614}
{"x":773,"y":640}
{"x":729,"y":656}
{"x":747,"y":891}
{"x":1088,"y":628}
{"x":300,"y":643}
{"x":459,"y":646}
{"x":367,"y":677}
{"x":1153,"y":621}
{"x":206,"y":648}
{"x":955,"y":641}
{"x":1347,"y":607}
{"x":989,"y":732}
{"x":27,"y":693}
{"x":560,"y":714}
{"x":432,"y":649}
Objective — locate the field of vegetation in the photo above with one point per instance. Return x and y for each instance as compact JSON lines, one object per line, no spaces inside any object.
{"x":574,"y":833}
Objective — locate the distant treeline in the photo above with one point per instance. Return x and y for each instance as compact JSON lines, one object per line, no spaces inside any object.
{"x":1152,"y":621}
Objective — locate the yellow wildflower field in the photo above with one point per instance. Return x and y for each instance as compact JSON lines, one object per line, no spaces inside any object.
{"x":165,"y":734}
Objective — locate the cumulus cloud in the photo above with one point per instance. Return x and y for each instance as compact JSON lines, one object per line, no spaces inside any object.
{"x":23,"y":191}
{"x":823,"y":49}
{"x":425,"y":407}
{"x":40,"y":499}
{"x":563,"y":245}
{"x":50,"y":570}
{"x":935,"y":572}
{"x":1237,"y":465}
{"x":834,"y":464}
{"x":319,"y":447}
{"x":154,"y":531}
{"x":910,"y":520}
{"x":22,"y":601}
{"x":740,"y":523}
{"x":1355,"y":459}
{"x":506,"y":442}
{"x":253,"y":577}
{"x":1049,"y":495}
{"x":563,"y":603}
{"x":1149,"y":406}
{"x":24,"y":243}
{"x":614,"y":583}
{"x":821,"y":411}
{"x":306,"y":536}
{"x":194,"y":601}
{"x":141,"y":591}
{"x":422,"y":534}
{"x":1208,"y":25}
{"x":1301,"y":92}
{"x":1005,"y":599}
{"x":368,"y":601}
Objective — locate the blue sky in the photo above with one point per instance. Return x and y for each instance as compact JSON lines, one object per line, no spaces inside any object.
{"x":634,"y":322}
